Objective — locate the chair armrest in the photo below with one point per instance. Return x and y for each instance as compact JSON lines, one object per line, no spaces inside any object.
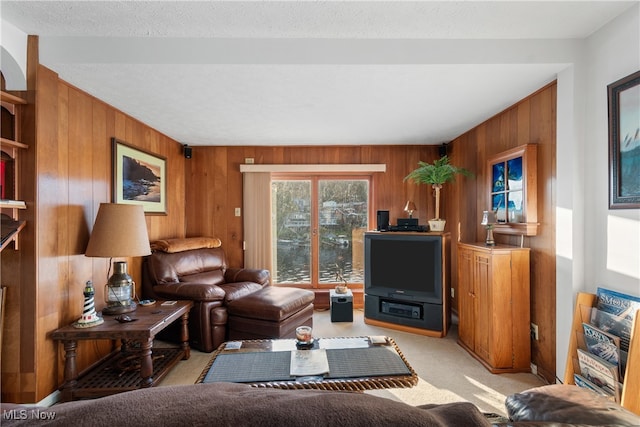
{"x":190,"y":291}
{"x":255,"y":275}
{"x":562,"y":403}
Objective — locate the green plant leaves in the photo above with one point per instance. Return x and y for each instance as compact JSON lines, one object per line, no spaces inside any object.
{"x":436,"y":173}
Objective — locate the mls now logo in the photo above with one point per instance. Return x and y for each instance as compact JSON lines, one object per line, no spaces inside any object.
{"x":27,"y":414}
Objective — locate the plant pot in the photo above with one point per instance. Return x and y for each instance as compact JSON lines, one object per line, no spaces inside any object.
{"x":342,"y":289}
{"x":436,"y":224}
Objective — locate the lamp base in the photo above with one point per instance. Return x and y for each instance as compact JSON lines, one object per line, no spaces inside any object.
{"x":119,"y":309}
{"x":489,"y":241}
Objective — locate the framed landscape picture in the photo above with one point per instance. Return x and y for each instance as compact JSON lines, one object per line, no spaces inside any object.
{"x":624,"y":142}
{"x":139,"y":178}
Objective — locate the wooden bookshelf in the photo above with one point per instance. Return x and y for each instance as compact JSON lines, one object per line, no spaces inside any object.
{"x":631,"y":385}
{"x":10,"y":146}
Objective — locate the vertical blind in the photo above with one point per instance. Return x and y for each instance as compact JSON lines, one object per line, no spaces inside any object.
{"x":257,"y":220}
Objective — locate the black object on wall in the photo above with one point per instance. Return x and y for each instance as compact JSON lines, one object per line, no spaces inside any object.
{"x":442,"y":150}
{"x":383,"y":220}
{"x":187,"y":151}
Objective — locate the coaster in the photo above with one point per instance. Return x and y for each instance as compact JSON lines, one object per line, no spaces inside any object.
{"x":302,"y":345}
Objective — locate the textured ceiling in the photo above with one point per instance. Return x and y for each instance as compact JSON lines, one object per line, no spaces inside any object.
{"x":310,"y":72}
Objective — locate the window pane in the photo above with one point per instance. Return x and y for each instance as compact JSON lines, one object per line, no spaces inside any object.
{"x":514,"y":167}
{"x":515,"y":206}
{"x":343,"y":216}
{"x":291,"y":224}
{"x":498,"y":205}
{"x":497,"y":182}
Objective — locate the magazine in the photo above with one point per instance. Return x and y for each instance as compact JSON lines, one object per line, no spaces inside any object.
{"x":309,"y":362}
{"x":585,"y":383}
{"x":600,"y":372}
{"x":606,"y":346}
{"x":614,"y":314}
{"x":601,"y":343}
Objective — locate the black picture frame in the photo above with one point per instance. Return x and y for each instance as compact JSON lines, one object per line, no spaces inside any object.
{"x":139,"y":177}
{"x":624,"y":142}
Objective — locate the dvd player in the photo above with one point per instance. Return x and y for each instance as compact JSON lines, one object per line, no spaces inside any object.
{"x":420,"y":228}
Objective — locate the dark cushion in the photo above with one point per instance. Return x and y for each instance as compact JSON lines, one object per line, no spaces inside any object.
{"x":226,"y":404}
{"x":206,"y":265}
{"x":236,"y":290}
{"x":271,"y":303}
{"x":190,"y":291}
{"x":567,"y":404}
{"x":260,"y":276}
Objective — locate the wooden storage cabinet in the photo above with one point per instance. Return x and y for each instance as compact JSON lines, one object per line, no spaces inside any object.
{"x":494,"y":305}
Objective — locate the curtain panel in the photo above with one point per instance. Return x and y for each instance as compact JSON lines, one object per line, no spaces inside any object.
{"x":257,"y":220}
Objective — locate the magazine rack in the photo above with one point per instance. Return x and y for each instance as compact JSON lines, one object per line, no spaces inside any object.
{"x":631,"y":385}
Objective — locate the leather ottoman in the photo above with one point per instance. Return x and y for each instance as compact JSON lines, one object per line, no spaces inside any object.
{"x":271,"y":312}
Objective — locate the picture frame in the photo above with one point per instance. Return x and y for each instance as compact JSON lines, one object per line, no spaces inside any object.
{"x":624,"y":142}
{"x":139,"y":177}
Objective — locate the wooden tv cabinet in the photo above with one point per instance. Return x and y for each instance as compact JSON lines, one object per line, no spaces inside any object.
{"x":434,"y":319}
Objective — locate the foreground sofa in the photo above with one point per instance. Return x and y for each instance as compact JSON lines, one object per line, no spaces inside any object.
{"x":226,"y":404}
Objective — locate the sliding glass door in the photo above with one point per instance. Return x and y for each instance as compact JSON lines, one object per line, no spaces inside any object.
{"x":318,"y":224}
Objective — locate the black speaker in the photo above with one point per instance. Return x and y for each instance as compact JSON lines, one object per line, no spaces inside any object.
{"x":442,"y":150}
{"x":383,"y":220}
{"x":187,"y":151}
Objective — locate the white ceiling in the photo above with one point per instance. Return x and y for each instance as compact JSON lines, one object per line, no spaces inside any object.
{"x":310,"y":72}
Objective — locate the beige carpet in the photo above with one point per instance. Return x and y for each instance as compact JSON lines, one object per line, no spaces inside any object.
{"x":447,"y":372}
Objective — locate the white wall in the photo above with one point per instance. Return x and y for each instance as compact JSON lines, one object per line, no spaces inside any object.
{"x":605,"y":244}
{"x":13,"y":56}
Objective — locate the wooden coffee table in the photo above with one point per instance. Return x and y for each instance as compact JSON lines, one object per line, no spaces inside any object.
{"x":136,"y":365}
{"x":355,"y":364}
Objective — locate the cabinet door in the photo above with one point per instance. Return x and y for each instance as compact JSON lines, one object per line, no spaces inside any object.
{"x":466,"y":297}
{"x":483,"y":306}
{"x":501,"y":341}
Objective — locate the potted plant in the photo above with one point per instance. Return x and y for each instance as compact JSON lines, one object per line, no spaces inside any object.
{"x":436,"y":174}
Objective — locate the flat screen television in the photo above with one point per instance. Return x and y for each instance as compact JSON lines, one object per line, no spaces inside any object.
{"x":403,"y":266}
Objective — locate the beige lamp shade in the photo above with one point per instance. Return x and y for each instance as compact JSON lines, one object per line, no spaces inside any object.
{"x":119,"y":231}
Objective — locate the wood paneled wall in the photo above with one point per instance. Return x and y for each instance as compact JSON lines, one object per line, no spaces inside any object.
{"x":69,"y":174}
{"x":214,"y":183}
{"x":533,"y":120}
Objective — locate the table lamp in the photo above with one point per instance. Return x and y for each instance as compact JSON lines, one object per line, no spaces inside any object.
{"x":119,"y":231}
{"x":488,"y":219}
{"x":410,"y":208}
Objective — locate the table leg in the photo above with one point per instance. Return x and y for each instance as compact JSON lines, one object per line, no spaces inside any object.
{"x":184,"y":336}
{"x":70,"y":371}
{"x":146,"y":363}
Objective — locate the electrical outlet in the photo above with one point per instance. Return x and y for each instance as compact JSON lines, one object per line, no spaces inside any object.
{"x":248,"y":160}
{"x":534,"y":331}
{"x":238,"y":212}
{"x":453,"y":293}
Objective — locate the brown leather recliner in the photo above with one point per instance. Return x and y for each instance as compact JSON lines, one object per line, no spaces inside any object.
{"x":200,"y":275}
